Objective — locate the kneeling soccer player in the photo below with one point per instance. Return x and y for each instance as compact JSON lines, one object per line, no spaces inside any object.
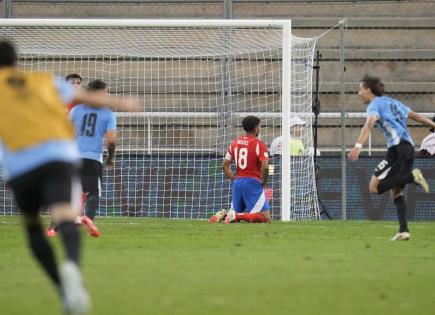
{"x":252,"y":170}
{"x":41,"y":161}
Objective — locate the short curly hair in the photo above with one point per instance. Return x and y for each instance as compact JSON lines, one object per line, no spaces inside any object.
{"x":374,"y":84}
{"x":250,"y":122}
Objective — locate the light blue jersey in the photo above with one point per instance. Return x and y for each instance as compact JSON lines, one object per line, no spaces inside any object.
{"x":392,"y":119}
{"x":19,"y":162}
{"x":91,"y":125}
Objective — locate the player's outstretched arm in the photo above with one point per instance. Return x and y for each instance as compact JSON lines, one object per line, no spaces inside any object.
{"x":421,"y":119}
{"x":364,"y":135}
{"x":226,"y":167}
{"x":129,"y":104}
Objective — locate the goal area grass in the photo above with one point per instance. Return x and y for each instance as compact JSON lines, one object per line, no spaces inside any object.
{"x":163,"y":266}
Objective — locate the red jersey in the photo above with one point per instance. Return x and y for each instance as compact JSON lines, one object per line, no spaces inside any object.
{"x":247,"y":152}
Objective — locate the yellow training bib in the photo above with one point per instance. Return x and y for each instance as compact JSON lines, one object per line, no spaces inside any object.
{"x":31,"y":110}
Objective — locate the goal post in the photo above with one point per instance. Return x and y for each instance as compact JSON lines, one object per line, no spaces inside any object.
{"x":196,"y":80}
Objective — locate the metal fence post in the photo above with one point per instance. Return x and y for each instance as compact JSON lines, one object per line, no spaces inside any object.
{"x":343,"y":122}
{"x":7,"y":9}
{"x":228,"y":9}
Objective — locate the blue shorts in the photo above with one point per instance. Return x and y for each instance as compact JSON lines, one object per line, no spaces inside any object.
{"x":248,"y":195}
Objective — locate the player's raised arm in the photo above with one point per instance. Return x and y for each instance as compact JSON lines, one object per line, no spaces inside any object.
{"x":98,"y":100}
{"x":421,"y":119}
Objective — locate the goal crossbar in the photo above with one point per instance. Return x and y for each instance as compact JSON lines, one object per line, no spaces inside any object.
{"x":143,"y":23}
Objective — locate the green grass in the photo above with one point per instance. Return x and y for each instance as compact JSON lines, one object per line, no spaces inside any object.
{"x":150,"y":266}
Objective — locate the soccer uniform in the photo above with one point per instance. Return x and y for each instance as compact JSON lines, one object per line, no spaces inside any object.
{"x":40,"y":157}
{"x":91,"y":125}
{"x":248,"y":192}
{"x":392,"y":121}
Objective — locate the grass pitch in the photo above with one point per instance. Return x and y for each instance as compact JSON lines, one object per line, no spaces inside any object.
{"x":151,"y":266}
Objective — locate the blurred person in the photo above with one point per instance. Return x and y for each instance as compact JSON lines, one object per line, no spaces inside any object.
{"x":92,"y":125}
{"x":40,"y":160}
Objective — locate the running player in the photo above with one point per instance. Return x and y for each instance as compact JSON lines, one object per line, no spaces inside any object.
{"x":396,"y":169}
{"x":251,"y":158}
{"x":40,"y":159}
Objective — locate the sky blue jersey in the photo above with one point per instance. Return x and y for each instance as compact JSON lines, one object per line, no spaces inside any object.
{"x":16,"y":163}
{"x":392,"y":119}
{"x":91,"y":125}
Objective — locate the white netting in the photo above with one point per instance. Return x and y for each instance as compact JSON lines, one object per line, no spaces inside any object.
{"x":195,"y":85}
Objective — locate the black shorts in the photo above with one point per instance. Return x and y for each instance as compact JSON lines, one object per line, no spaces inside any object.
{"x":397,"y":162}
{"x":90,"y":174}
{"x":55,"y":182}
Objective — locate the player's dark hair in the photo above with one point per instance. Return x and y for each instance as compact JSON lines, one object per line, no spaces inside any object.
{"x":432,"y":129}
{"x":96,"y":85}
{"x":8,"y":54}
{"x":73,"y":76}
{"x":374,"y":84}
{"x":250,"y":122}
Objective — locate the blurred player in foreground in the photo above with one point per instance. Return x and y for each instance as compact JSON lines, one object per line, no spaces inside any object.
{"x":396,"y":169}
{"x":252,"y":170}
{"x":41,"y":159}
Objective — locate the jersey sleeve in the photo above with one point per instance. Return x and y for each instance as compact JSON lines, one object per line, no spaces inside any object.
{"x":262,"y":152}
{"x":65,"y":90}
{"x":111,"y":124}
{"x":405,"y":110}
{"x":372,"y":109}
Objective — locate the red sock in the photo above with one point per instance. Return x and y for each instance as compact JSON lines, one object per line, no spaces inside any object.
{"x":251,"y":217}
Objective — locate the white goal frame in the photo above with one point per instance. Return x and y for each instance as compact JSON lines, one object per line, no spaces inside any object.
{"x":286,"y":65}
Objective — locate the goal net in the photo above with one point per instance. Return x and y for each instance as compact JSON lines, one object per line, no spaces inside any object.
{"x":196,"y":80}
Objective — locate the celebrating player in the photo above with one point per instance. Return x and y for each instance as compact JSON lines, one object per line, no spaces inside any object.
{"x":91,"y":126}
{"x":395,"y":170}
{"x":250,"y":155}
{"x":40,"y":159}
